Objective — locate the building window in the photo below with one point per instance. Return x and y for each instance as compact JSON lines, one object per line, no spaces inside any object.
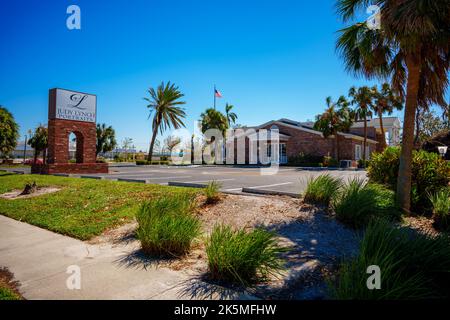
{"x":367,"y":152}
{"x":357,"y":152}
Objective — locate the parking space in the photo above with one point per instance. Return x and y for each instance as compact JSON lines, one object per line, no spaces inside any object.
{"x":232,"y":179}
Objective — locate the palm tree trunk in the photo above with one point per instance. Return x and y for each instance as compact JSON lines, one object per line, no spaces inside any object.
{"x":36,"y":154}
{"x":383,"y":134}
{"x":152,"y":143}
{"x":417,"y":129}
{"x":337,"y":147}
{"x":404,"y":173}
{"x":365,"y":137}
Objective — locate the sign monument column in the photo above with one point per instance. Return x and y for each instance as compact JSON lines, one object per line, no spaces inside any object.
{"x":71,"y":112}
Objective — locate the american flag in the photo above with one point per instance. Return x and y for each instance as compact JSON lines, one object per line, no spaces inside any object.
{"x":217,"y":93}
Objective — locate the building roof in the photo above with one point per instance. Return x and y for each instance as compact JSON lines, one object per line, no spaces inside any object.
{"x":301,"y":126}
{"x":375,"y":122}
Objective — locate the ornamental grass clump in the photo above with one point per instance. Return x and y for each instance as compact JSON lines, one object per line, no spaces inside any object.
{"x":322,"y":190}
{"x":411,"y":266}
{"x":167,"y":225}
{"x":211,"y":192}
{"x":243,"y":257}
{"x":441,"y":208}
{"x":359,"y":202}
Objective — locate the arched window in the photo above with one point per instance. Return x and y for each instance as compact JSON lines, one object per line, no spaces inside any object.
{"x":75,"y":149}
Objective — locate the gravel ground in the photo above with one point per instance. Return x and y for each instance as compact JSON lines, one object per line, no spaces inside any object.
{"x":317,"y":242}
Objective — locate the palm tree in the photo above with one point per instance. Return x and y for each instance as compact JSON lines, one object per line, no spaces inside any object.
{"x":363,"y":99}
{"x":9,"y":132}
{"x":39,"y":142}
{"x":231,"y":116}
{"x":336,"y":118}
{"x":164,"y":104}
{"x":213,"y":119}
{"x":385,"y":101}
{"x":412,"y":48}
{"x":106,"y":138}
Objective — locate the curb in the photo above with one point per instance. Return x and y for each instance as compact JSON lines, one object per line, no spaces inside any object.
{"x":133,"y":180}
{"x":92,"y":177}
{"x":186,"y":184}
{"x":271,"y":192}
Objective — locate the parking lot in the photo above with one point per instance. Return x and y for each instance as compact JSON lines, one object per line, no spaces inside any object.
{"x":233,"y":179}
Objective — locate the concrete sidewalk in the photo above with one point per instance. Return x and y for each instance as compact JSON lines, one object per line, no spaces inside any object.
{"x":39,"y":260}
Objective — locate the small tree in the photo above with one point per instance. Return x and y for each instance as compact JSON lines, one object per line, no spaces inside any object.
{"x":106,"y":138}
{"x":363,"y":98}
{"x":385,"y":101}
{"x":9,"y":132}
{"x":39,"y":142}
{"x":337,"y":118}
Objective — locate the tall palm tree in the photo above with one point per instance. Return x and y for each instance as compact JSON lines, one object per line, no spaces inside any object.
{"x":336,"y":118}
{"x":164,"y":104}
{"x":106,"y":138}
{"x":385,"y":101}
{"x":231,"y":116}
{"x":363,"y":99}
{"x":412,"y":47}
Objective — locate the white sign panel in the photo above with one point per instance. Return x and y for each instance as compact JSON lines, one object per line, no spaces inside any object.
{"x":72,"y":105}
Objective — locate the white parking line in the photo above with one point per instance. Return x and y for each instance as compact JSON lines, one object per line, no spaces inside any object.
{"x":271,"y":185}
{"x":218,"y":180}
{"x":161,"y":178}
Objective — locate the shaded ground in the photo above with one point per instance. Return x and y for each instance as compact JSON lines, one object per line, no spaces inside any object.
{"x":317,"y":242}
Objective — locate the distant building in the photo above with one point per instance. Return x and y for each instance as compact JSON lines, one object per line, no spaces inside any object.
{"x":300,"y":137}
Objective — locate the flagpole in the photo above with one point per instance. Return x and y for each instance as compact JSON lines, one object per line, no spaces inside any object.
{"x":214,"y":97}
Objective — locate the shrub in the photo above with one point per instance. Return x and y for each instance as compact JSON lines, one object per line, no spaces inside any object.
{"x":153,"y":162}
{"x":359,"y":202}
{"x":322,"y":189}
{"x":305,"y":160}
{"x":330,"y":162}
{"x":430,"y":173}
{"x":413,"y":266}
{"x":243,"y":257}
{"x":441,"y":208}
{"x":167,"y":225}
{"x":212,"y":192}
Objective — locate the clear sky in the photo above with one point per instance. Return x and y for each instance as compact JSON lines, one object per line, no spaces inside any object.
{"x":270,"y":59}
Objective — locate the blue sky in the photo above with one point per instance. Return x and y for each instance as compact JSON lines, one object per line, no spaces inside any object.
{"x":270,"y":59}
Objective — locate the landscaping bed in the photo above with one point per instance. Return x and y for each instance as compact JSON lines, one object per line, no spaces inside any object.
{"x":82,"y":208}
{"x":316,"y":244}
{"x":8,"y":286}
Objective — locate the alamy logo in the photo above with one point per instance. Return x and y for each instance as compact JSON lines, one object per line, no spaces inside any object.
{"x":73,"y":282}
{"x":374,"y":281}
{"x":77,"y":99}
{"x":73,"y":22}
{"x":374,"y":21}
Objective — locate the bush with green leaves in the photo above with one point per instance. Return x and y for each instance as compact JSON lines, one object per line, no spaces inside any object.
{"x":430,"y":173}
{"x":243,"y":257}
{"x":441,"y":208}
{"x":322,"y":189}
{"x":211,"y":192}
{"x":167,"y":226}
{"x":413,"y":266}
{"x":359,"y":202}
{"x":305,"y":160}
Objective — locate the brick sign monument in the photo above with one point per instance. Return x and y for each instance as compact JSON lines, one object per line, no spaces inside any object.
{"x":71,"y":112}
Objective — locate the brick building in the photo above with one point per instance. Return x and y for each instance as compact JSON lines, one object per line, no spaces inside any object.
{"x":300,"y":137}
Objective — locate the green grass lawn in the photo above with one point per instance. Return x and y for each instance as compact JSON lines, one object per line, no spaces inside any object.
{"x":83,"y":208}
